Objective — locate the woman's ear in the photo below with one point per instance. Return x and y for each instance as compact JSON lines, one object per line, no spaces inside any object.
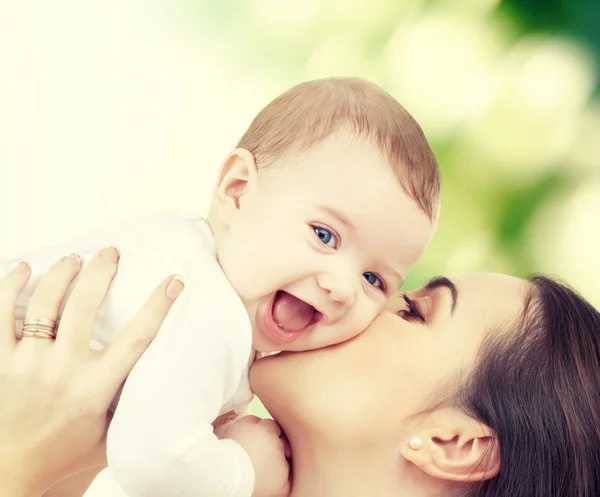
{"x":237,"y":176}
{"x":449,"y":445}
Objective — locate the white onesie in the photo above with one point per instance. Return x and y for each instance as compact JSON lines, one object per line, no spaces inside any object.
{"x":161,"y":442}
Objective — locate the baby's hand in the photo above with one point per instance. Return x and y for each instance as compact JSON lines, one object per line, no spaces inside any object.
{"x":261,"y":439}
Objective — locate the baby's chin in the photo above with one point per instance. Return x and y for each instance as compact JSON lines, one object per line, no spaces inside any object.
{"x":262,"y":345}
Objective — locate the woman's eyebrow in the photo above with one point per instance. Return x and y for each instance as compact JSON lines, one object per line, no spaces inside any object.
{"x":443,"y":282}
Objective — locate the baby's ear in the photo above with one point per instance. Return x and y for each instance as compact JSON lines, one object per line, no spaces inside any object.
{"x":237,"y":177}
{"x":449,"y":445}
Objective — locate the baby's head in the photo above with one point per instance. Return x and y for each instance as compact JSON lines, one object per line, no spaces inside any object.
{"x":329,"y":199}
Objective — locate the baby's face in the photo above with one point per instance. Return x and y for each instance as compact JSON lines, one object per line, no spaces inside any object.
{"x":320,"y":244}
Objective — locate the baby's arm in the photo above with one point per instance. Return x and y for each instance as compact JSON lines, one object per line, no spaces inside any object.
{"x":269,"y":451}
{"x":161,"y":441}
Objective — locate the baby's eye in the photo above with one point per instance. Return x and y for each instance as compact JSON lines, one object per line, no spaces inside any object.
{"x":326,"y":236}
{"x":374,"y":280}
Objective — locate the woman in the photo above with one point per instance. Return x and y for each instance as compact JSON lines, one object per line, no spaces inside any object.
{"x":481,"y":386}
{"x":56,"y":392}
{"x":485,"y":385}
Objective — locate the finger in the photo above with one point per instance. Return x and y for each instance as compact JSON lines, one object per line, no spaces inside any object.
{"x":249,"y":419}
{"x":287,"y":448}
{"x":120,"y":357}
{"x":10,"y":287}
{"x":271,"y":426}
{"x":77,"y":321}
{"x":49,"y":293}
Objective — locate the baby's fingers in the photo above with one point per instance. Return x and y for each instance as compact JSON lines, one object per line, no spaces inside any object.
{"x":120,"y":357}
{"x":271,"y":426}
{"x":287,"y":448}
{"x":250,"y":419}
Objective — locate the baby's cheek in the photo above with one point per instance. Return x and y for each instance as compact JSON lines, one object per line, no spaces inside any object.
{"x":368,"y":316}
{"x":243,"y":281}
{"x":357,"y":326}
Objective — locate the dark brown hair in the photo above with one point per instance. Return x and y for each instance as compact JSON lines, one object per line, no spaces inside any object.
{"x":539,"y":390}
{"x":312,"y":111}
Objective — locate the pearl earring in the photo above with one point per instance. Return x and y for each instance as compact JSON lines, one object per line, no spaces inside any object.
{"x":416,"y":443}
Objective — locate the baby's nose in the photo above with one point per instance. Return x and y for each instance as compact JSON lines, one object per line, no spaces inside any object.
{"x":338,"y":291}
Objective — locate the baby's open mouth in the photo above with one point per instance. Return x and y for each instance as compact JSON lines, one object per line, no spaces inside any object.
{"x":291,"y":314}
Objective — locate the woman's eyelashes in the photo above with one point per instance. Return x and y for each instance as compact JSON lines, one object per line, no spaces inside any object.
{"x":326,"y":236}
{"x":412,"y":311}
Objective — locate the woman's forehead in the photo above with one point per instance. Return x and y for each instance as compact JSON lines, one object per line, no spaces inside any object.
{"x":491,"y":298}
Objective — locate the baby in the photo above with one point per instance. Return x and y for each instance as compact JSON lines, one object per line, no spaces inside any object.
{"x":329,"y":199}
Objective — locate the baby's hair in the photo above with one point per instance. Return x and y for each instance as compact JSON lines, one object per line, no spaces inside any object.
{"x":312,"y":111}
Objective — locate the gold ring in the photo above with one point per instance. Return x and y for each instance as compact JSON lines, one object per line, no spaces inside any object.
{"x":40,"y":322}
{"x":33,"y":332}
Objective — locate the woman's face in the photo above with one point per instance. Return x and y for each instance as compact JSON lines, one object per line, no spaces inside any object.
{"x":373,"y":382}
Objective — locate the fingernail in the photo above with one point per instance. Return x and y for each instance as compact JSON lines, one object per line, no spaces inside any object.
{"x":175,"y":287}
{"x":22,"y":268}
{"x":110,"y":254}
{"x":76,"y":258}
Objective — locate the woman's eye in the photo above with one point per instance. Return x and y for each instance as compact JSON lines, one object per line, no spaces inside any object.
{"x":326,"y":236}
{"x":412,"y":311}
{"x":374,"y":280}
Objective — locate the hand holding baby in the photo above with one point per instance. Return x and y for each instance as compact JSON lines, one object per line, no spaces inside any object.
{"x":261,"y":439}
